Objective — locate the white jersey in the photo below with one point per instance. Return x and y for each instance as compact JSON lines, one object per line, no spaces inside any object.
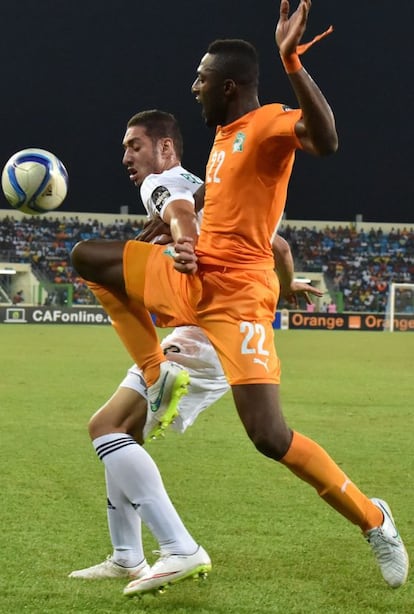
{"x":188,"y":346}
{"x":159,"y":189}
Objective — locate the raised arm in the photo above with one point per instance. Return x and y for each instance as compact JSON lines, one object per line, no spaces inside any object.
{"x":316,"y":130}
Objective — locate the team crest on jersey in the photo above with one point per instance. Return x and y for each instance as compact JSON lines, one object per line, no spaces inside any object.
{"x":192,"y":178}
{"x":159,"y":196}
{"x":239,"y":142}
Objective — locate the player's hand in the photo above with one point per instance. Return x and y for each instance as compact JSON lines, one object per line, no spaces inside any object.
{"x":185,"y":259}
{"x":289,"y":30}
{"x":299,"y":288}
{"x":155,"y":231}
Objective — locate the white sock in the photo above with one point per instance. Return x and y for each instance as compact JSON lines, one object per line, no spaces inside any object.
{"x":137,"y":476}
{"x":124,"y":525}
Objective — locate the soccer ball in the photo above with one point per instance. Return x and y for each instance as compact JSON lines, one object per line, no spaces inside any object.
{"x":34,"y":181}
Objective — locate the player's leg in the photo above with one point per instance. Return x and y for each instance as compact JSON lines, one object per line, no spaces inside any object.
{"x":101,"y":264}
{"x":189,"y":347}
{"x":126,"y":410}
{"x":134,"y":488}
{"x":267,"y":429}
{"x":306,"y":459}
{"x":180,"y":556}
{"x":137,"y":475}
{"x":127,"y":559}
{"x":135,"y":472}
{"x":116,"y":273}
{"x":245,"y":345}
{"x":121,"y":417}
{"x":266,"y":425}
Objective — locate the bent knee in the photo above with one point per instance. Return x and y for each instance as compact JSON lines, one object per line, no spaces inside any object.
{"x":78,"y":257}
{"x":100,"y":261}
{"x":97,"y":426}
{"x":271,"y":445}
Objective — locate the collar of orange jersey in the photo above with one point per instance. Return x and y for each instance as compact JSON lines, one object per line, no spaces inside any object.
{"x":236,"y":124}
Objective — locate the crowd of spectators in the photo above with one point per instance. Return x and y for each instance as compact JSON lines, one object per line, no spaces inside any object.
{"x":46,"y":243}
{"x":358,"y":265}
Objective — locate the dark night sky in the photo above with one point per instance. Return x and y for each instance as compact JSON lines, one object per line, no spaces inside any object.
{"x":74,"y":72}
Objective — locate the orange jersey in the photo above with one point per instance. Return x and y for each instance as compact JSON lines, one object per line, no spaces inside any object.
{"x":247,"y":176}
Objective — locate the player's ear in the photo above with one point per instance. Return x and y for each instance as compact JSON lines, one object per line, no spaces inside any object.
{"x":167,"y":146}
{"x":229,"y":87}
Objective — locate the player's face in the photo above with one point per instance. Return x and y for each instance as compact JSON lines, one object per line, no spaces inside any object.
{"x":141,"y":155}
{"x":209,"y":88}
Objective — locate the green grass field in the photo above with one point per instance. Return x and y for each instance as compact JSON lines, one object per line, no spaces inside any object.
{"x":275,"y":547}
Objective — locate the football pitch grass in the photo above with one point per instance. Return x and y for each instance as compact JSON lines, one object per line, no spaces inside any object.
{"x":275,"y":546}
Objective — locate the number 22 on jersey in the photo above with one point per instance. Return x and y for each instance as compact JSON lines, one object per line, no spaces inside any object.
{"x":215,"y":164}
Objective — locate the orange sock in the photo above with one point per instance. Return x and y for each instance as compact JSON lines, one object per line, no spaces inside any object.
{"x":311,"y":463}
{"x":135,"y":328}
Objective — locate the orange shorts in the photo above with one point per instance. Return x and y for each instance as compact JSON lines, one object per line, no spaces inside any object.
{"x":234,"y":307}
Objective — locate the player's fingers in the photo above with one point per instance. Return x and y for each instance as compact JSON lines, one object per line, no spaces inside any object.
{"x":184,"y":250}
{"x":182,"y":240}
{"x":284,"y":10}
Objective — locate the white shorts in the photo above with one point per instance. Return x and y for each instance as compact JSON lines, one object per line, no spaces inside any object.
{"x":189,"y":347}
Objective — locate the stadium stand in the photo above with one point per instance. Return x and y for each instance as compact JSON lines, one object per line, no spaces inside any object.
{"x":357,"y":264}
{"x":45,"y":243}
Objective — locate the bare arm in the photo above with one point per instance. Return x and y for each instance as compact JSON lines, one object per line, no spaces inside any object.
{"x":179,"y":217}
{"x":316,"y":130}
{"x":183,"y":223}
{"x":182,"y":220}
{"x":199,"y":198}
{"x":289,"y":288}
{"x":283,"y":262}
